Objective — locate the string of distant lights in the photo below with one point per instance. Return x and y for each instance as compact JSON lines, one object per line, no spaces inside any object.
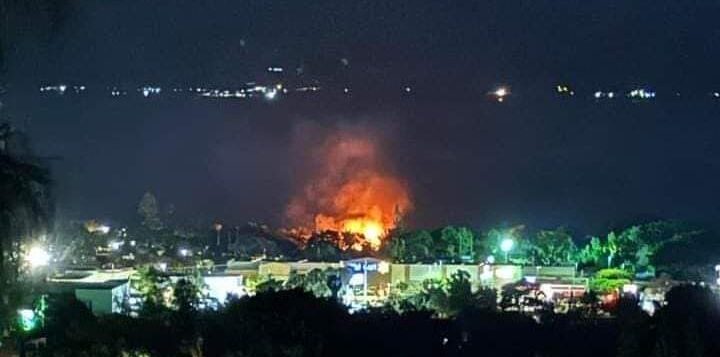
{"x":270,"y":92}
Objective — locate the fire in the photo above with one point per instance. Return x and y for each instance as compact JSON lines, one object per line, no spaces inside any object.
{"x":352,"y":193}
{"x":369,"y":204}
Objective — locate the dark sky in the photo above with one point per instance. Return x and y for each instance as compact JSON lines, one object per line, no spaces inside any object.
{"x":535,"y":159}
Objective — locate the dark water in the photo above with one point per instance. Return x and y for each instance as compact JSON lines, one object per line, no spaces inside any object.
{"x":535,"y":159}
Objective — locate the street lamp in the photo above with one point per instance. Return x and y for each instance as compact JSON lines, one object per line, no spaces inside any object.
{"x":218,"y":227}
{"x":28,"y":319}
{"x":37,"y":256}
{"x":506,"y":245}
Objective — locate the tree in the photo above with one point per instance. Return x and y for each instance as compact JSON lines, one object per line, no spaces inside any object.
{"x":152,"y":285}
{"x":268,"y":284}
{"x":634,"y":329}
{"x":322,"y":248}
{"x":459,"y":292}
{"x":412,"y":247}
{"x":511,"y":294}
{"x":486,"y":299}
{"x":554,"y":247}
{"x":491,"y":244}
{"x":592,"y":253}
{"x":610,"y":280}
{"x":611,"y":248}
{"x":651,"y":238}
{"x":25,"y":211}
{"x":148,"y":211}
{"x":688,"y":324}
{"x":187,"y":294}
{"x":445,"y":297}
{"x":72,"y":330}
{"x":283,"y":323}
{"x":456,"y":243}
{"x":315,"y":282}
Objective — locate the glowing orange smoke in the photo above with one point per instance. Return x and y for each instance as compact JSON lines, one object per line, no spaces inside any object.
{"x":350,"y":192}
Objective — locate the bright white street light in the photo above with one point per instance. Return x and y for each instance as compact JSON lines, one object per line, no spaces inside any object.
{"x":103,"y":229}
{"x":506,"y":245}
{"x":38,"y":256}
{"x":115,"y":245}
{"x":500,"y":93}
{"x":271,"y":94}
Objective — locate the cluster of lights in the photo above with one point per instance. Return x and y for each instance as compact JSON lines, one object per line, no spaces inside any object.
{"x":307,"y":89}
{"x":601,"y":95}
{"x":564,"y":90}
{"x":641,"y":93}
{"x":268,"y":93}
{"x":216,"y":93}
{"x":271,"y":94}
{"x":97,"y":228}
{"x":62,"y":88}
{"x":116,"y":245}
{"x":500,"y":94}
{"x":150,"y":90}
{"x":116,"y":92}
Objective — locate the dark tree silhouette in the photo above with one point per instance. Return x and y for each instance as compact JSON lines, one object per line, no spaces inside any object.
{"x":25,"y":210}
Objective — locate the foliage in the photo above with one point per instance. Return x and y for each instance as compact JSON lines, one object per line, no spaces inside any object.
{"x":149,"y":212}
{"x":521,"y":247}
{"x":412,"y":247}
{"x":296,"y":323}
{"x":592,"y":253}
{"x":314,"y":282}
{"x":252,"y":240}
{"x":449,"y":243}
{"x":322,"y":248}
{"x":510,"y":295}
{"x":634,"y":330}
{"x":453,"y":243}
{"x":445,"y":297}
{"x":284,"y":323}
{"x":153,"y":286}
{"x":187,"y":293}
{"x":26,"y":208}
{"x":73,"y":330}
{"x":268,"y":284}
{"x":688,"y":325}
{"x":636,"y":247}
{"x":610,"y":280}
{"x":553,"y":247}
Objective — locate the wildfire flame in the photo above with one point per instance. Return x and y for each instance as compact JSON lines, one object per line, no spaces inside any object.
{"x":352,"y":192}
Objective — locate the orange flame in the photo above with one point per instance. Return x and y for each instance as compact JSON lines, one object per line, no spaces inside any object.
{"x":352,"y":193}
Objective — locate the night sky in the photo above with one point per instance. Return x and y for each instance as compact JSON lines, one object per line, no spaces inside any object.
{"x":536,"y":159}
